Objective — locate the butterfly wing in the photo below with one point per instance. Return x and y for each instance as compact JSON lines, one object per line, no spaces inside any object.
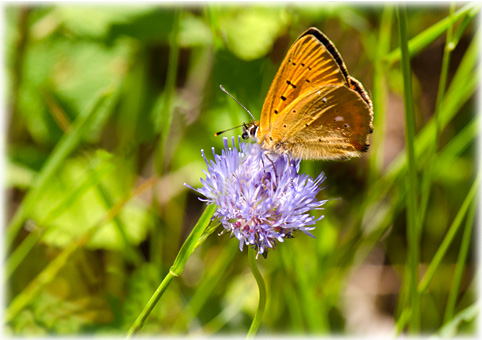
{"x":314,"y":108}
{"x":330,"y":122}
{"x":312,"y":61}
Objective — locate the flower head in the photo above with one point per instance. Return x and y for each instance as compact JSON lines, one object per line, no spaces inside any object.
{"x":261,"y":198}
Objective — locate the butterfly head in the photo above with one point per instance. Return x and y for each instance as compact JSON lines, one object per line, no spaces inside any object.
{"x":250,"y":130}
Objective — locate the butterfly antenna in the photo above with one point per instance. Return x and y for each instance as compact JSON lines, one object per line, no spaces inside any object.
{"x":229,"y":94}
{"x":220,"y":132}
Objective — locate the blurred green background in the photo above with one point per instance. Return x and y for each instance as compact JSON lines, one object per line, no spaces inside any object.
{"x":107,"y":109}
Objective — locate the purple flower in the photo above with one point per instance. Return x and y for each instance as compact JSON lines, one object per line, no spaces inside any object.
{"x":261,"y":198}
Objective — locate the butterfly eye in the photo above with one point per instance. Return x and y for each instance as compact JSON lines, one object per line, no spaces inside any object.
{"x":249,"y":131}
{"x":245,"y":134}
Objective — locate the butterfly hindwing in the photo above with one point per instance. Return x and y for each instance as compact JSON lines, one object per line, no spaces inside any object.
{"x":328,"y":123}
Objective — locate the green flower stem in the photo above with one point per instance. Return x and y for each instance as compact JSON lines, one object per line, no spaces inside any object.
{"x":137,"y":325}
{"x":262,"y":293}
{"x":192,"y":242}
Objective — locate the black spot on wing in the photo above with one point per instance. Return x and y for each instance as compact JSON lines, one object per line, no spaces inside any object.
{"x":290,"y":83}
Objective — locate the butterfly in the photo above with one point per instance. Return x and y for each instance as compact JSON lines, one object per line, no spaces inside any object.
{"x":314,"y":109}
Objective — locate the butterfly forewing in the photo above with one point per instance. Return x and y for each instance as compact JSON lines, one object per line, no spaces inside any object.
{"x":307,"y":65}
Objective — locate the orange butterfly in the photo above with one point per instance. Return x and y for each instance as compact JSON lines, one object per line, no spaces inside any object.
{"x":314,"y":109}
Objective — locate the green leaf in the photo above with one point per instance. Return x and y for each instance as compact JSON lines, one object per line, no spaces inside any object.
{"x":19,"y":176}
{"x":89,"y":208}
{"x":103,"y":102}
{"x":97,"y":21}
{"x":251,"y":33}
{"x":194,"y":32}
{"x":74,"y":71}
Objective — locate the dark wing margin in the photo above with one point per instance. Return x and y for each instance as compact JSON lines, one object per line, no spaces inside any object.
{"x":329,"y":46}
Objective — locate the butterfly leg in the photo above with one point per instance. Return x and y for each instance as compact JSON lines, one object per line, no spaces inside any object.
{"x":272,"y":163}
{"x":290,"y":162}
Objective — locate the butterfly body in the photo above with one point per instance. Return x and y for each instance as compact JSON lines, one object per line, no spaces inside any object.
{"x":314,"y":109}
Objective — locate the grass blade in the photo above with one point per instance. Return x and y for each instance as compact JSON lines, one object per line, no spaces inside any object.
{"x":449,"y":330}
{"x":49,"y":273}
{"x":413,"y":230}
{"x":431,"y":155}
{"x":459,"y":269}
{"x":425,"y":38}
{"x":442,"y":250}
{"x":380,"y":93}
